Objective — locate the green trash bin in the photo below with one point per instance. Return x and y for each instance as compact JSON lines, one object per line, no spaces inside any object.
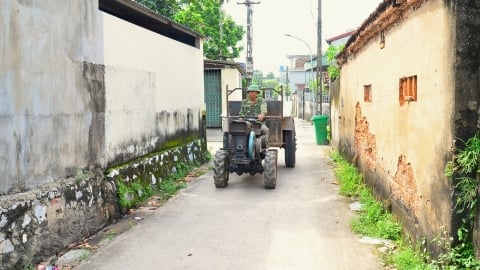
{"x":320,"y":124}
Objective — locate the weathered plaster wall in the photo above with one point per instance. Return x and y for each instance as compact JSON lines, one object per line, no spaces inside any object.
{"x":38,"y":224}
{"x":402,"y":149}
{"x":154,"y":90}
{"x":42,"y":89}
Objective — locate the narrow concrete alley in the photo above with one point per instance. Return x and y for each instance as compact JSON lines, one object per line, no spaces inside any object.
{"x":302,"y":224}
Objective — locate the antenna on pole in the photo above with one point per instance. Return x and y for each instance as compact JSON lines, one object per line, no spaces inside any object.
{"x":249,"y":63}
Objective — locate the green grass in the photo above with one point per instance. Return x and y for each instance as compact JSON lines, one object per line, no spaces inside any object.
{"x":133,"y":194}
{"x":170,"y":186}
{"x":110,"y":235}
{"x":374,"y":220}
{"x":85,"y":255}
{"x":407,"y":259}
{"x":348,"y":177}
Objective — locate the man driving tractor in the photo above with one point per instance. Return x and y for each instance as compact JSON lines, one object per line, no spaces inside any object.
{"x":255,"y":106}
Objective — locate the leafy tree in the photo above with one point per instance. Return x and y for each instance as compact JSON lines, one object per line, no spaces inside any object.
{"x":286,"y":90}
{"x":331,"y":53}
{"x":270,"y":83}
{"x":270,"y":76}
{"x":167,"y":8}
{"x":257,"y":77}
{"x":204,"y":17}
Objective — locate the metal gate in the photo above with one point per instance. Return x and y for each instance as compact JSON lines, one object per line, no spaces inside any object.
{"x":213,"y":97}
{"x":301,"y":103}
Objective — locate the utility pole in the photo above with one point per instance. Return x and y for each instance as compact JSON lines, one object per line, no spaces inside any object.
{"x":319,"y":58}
{"x":249,"y":63}
{"x":220,"y":22}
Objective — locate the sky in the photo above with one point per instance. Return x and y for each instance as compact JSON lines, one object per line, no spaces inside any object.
{"x":272,"y":19}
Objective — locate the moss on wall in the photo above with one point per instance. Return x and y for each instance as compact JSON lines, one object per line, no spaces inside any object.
{"x":138,"y":179}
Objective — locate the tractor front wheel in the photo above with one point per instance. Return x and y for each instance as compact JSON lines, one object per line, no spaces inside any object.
{"x":220,"y":169}
{"x":270,"y":169}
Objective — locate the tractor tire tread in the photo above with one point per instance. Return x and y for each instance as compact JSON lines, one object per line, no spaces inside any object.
{"x":220,"y":169}
{"x":270,"y":169}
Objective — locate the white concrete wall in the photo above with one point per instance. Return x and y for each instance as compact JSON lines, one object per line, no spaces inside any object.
{"x":44,"y":108}
{"x":75,"y":93}
{"x":421,"y":130}
{"x":59,"y":110}
{"x":153,"y":85}
{"x":231,"y":77}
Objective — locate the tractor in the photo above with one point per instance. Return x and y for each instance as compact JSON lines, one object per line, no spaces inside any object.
{"x":246,"y":150}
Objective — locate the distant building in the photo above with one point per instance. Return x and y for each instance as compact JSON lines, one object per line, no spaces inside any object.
{"x":297,"y":72}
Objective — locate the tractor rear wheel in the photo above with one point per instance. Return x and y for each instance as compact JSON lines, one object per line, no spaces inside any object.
{"x":270,"y":169}
{"x":220,"y":169}
{"x":290,"y":147}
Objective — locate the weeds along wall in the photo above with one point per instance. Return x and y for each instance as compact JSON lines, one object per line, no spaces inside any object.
{"x":467,"y":104}
{"x":403,"y":145}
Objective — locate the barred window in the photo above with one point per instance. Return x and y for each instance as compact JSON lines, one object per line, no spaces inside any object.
{"x":407,"y":89}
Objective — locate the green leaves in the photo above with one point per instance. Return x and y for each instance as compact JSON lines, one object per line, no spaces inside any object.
{"x":467,"y":190}
{"x":331,"y":53}
{"x":207,"y":18}
{"x":464,"y":167}
{"x":167,"y":8}
{"x":469,"y":158}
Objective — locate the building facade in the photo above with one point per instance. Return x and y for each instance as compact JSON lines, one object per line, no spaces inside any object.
{"x":407,"y":96}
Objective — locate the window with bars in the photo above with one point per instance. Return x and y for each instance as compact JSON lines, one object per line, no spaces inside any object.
{"x":407,"y":89}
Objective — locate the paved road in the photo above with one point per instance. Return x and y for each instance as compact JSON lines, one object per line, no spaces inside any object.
{"x":302,"y":224}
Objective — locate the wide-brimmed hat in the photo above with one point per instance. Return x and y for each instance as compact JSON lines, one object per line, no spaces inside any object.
{"x":253,"y":87}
